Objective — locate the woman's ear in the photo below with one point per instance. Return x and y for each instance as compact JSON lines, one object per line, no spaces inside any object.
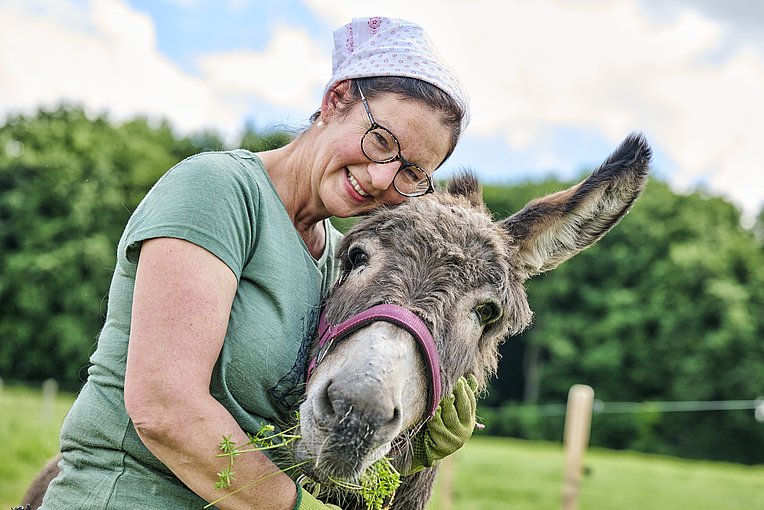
{"x":333,"y":99}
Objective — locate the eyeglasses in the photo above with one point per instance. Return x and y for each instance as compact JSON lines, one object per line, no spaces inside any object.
{"x":380,"y":146}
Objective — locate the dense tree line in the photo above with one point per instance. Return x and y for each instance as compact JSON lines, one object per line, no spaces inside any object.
{"x":669,"y":306}
{"x":68,"y":184}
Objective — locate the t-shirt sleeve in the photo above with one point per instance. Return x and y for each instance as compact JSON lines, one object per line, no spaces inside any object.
{"x":207,"y":199}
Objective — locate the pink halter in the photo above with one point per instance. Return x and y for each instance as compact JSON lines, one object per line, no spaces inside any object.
{"x":394,"y":314}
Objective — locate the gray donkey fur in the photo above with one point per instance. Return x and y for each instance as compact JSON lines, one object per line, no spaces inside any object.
{"x":444,"y":258}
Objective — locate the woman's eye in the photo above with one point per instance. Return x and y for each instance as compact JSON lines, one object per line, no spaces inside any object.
{"x":411,"y":175}
{"x":487,"y":313}
{"x":356,"y":258}
{"x":380,"y":140}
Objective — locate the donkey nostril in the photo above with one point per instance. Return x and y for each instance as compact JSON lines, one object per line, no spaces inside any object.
{"x":322,"y":405}
{"x":394,"y":420}
{"x":335,"y":400}
{"x":387,"y":415}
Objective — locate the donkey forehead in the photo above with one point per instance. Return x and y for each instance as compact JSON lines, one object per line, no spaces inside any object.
{"x":441,"y":231}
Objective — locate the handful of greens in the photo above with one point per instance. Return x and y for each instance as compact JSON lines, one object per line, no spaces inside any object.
{"x":376,"y":486}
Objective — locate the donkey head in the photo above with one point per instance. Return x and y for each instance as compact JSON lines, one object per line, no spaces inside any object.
{"x":445,"y":260}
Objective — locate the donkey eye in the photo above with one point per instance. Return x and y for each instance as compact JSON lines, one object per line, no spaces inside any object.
{"x":356,"y":258}
{"x":487,"y":313}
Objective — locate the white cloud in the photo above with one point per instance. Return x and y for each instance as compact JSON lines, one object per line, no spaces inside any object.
{"x":182,"y":3}
{"x":289,"y":73}
{"x":605,"y":67}
{"x":101,"y":54}
{"x":532,"y":68}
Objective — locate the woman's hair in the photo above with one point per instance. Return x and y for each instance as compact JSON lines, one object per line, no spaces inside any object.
{"x":409,"y":88}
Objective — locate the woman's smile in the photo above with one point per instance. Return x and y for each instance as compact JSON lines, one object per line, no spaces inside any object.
{"x":356,"y":186}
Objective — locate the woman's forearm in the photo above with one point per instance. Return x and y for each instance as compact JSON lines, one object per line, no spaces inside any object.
{"x":186,"y":439}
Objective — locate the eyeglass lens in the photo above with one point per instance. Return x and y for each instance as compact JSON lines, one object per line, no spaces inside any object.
{"x":380,"y":146}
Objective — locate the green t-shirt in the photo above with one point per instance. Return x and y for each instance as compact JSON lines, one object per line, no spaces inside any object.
{"x":225,"y":203}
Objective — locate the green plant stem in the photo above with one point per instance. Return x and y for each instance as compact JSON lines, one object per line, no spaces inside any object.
{"x":252,"y":484}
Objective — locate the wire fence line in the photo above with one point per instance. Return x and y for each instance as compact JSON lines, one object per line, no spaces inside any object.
{"x":599,"y":406}
{"x":674,"y":406}
{"x":677,"y":406}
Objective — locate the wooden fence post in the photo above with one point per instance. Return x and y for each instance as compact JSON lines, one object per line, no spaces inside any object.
{"x":578,"y":419}
{"x":446,"y":475}
{"x":49,"y":392}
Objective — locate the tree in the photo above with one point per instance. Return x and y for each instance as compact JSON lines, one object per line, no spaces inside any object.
{"x":69,"y":184}
{"x":668,"y":306}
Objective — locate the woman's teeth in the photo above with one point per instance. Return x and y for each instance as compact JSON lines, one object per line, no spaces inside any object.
{"x":355,"y":184}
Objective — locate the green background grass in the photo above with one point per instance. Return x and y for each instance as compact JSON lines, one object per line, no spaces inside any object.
{"x":498,"y":473}
{"x":28,"y":438}
{"x":488,"y":473}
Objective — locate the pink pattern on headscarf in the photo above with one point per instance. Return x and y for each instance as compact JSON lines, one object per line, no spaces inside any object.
{"x":380,"y":46}
{"x":349,"y":39}
{"x":374,"y":23}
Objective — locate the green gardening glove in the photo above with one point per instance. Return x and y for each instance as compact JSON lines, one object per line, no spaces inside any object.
{"x":307,"y":501}
{"x":449,"y":429}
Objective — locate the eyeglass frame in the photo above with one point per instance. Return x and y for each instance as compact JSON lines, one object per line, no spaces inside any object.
{"x":399,"y":157}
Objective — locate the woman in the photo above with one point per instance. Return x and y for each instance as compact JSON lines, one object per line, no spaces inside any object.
{"x":220,"y":272}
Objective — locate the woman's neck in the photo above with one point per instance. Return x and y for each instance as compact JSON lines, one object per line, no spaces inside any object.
{"x":291,"y":175}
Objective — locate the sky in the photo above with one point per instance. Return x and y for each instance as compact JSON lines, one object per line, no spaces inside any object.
{"x":554,"y":85}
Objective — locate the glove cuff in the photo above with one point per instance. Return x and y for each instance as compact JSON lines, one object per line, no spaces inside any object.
{"x":421,"y":455}
{"x":298,"y":501}
{"x":306,"y":500}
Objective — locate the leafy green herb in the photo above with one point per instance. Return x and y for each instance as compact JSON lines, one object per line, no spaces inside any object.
{"x":226,"y":476}
{"x":264,"y":439}
{"x":376,"y":486}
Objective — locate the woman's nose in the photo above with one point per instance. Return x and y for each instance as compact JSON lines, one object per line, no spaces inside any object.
{"x":382,"y":174}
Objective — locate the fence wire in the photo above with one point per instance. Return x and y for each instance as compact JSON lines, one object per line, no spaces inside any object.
{"x":676,"y":406}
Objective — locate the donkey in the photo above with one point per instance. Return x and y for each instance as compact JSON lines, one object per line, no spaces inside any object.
{"x":429,"y":290}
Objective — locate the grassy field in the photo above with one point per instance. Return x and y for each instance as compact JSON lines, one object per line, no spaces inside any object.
{"x":489,"y":473}
{"x":28,"y":437}
{"x":499,"y":473}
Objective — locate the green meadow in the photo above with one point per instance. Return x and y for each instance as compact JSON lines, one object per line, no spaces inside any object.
{"x":28,"y":437}
{"x":502,"y":473}
{"x":489,"y":473}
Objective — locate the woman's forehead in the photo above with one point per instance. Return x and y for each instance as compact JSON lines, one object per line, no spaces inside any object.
{"x":423,"y":136}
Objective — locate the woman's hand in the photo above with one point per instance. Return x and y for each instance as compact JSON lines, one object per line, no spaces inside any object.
{"x":306,"y":501}
{"x":449,"y":429}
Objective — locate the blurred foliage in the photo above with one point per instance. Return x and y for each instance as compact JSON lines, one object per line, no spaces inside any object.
{"x":668,"y":306}
{"x":254,"y":141}
{"x":68,"y":186}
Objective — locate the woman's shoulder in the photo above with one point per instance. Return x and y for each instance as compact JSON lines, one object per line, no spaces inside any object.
{"x":222,"y":172}
{"x":236,"y":162}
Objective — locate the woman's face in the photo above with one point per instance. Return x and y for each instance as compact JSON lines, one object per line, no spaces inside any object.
{"x":350,"y":184}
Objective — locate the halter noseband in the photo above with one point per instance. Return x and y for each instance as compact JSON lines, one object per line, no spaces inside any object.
{"x":394,"y":314}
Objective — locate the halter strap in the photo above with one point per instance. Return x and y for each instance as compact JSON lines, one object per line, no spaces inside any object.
{"x":394,"y":314}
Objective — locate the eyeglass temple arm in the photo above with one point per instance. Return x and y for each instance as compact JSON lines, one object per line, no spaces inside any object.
{"x":365,"y":105}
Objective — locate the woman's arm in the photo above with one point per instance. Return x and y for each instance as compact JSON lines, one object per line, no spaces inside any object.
{"x":181,"y":305}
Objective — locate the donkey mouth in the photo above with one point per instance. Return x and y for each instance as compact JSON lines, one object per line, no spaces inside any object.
{"x":330,"y":464}
{"x":342,"y":451}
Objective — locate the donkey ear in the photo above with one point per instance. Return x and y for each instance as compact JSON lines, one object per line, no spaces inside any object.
{"x":465,"y":184}
{"x":552,"y":229}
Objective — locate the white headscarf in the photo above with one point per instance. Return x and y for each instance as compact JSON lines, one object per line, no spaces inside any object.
{"x":377,"y":46}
